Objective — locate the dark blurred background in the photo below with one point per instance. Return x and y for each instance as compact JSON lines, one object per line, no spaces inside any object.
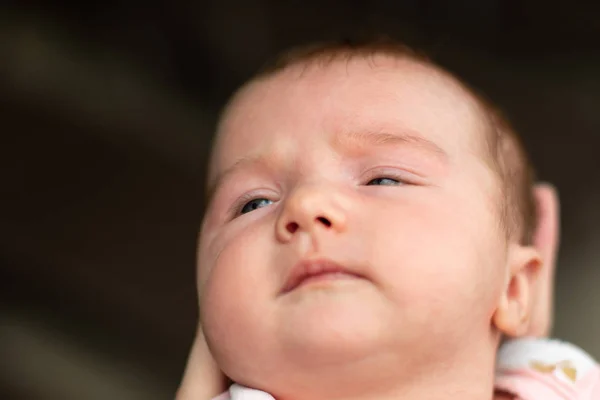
{"x":106,"y":112}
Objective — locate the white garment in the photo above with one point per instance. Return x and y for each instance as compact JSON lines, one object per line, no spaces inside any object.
{"x":239,"y":392}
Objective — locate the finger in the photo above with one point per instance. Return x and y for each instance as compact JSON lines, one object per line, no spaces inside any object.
{"x":202,"y":379}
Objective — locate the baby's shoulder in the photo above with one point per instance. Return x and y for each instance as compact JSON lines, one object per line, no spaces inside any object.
{"x":547,"y":369}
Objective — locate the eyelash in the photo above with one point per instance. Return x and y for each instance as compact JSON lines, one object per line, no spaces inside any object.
{"x":236,"y":209}
{"x":386,"y":173}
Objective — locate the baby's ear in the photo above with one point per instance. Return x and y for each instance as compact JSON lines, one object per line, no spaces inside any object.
{"x":514,"y":310}
{"x":545,"y":239}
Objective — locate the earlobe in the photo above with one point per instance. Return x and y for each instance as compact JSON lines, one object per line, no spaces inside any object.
{"x":513,"y":314}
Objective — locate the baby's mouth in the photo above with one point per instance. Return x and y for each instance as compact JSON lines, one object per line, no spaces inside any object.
{"x":318,"y":270}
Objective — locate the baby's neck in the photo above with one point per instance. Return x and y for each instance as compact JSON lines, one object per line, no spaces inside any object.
{"x":447,"y":394}
{"x":449,"y":382}
{"x":440,"y":394}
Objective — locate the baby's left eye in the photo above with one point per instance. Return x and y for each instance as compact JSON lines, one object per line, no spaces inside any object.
{"x":384,"y":182}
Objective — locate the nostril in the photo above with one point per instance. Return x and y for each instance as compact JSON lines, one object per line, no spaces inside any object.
{"x":292,"y":227}
{"x":324,"y":221}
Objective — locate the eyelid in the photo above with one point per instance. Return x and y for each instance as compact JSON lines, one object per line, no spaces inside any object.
{"x":395,"y":173}
{"x":235,"y":209}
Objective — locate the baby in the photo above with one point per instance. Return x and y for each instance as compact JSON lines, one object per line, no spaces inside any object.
{"x":369,"y":235}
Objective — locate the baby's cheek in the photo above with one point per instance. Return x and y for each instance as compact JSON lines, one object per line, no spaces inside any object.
{"x":438,"y":259}
{"x":226,"y":248}
{"x":233,"y":273}
{"x":234,"y":296}
{"x":224,"y":313}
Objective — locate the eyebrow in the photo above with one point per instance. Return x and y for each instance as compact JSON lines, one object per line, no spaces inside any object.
{"x":344,"y":142}
{"x":215,"y":182}
{"x":357,"y":140}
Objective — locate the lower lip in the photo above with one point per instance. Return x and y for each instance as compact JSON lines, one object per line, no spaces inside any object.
{"x":325,"y":278}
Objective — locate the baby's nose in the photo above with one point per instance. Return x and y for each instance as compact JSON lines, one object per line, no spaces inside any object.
{"x":308,"y":209}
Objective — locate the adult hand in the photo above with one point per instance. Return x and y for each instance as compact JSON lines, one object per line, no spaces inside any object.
{"x":202,"y":379}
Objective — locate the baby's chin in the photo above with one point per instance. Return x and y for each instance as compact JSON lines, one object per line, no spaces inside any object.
{"x":307,"y":329}
{"x":338,"y":351}
{"x":316,"y":357}
{"x":318,"y":326}
{"x":350,"y":336}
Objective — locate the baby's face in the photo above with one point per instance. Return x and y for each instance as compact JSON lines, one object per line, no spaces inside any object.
{"x":354,"y":222}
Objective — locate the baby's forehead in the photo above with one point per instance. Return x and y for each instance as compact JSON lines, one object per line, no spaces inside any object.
{"x":350,"y":94}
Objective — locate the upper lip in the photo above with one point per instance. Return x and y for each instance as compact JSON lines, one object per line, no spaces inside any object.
{"x":307,"y":268}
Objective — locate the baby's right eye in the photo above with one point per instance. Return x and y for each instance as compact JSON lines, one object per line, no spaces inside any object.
{"x":384,"y":181}
{"x":255,"y":204}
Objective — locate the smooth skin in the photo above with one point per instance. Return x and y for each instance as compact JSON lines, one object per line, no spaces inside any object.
{"x":202,"y":379}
